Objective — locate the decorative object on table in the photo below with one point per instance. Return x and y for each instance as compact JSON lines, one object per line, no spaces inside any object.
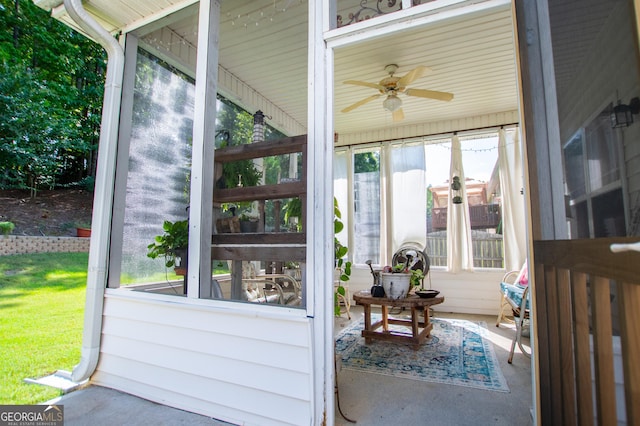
{"x":457,"y":353}
{"x":376,"y":289}
{"x":172,"y":244}
{"x":343,"y":266}
{"x":405,"y":273}
{"x":427,"y":294}
{"x":396,"y":281}
{"x":417,"y":260}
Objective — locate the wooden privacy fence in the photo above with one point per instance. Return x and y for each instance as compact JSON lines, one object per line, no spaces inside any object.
{"x":483,"y":216}
{"x":487,"y":249}
{"x":580,"y":285}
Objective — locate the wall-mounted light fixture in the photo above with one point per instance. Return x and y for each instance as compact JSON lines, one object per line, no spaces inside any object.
{"x":622,"y":115}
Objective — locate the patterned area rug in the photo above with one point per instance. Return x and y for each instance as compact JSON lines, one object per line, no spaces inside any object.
{"x":456,"y":354}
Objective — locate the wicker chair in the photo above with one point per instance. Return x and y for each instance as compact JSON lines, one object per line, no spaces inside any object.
{"x":514,"y":298}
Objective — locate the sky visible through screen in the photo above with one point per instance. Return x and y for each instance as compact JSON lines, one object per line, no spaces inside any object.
{"x":479,"y":157}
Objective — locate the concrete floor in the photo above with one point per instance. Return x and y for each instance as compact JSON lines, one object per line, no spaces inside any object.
{"x":369,"y":399}
{"x":99,"y":406}
{"x":372,"y":399}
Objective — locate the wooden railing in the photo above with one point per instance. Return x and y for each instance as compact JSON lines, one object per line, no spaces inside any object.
{"x":579,"y":286}
{"x":481,"y":216}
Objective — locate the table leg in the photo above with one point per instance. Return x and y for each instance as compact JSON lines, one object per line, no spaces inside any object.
{"x":425,"y":313}
{"x":367,"y":322}
{"x":414,"y":322}
{"x":385,"y":318}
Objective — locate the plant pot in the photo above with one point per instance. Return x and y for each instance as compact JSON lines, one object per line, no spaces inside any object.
{"x":292,"y":272}
{"x":248,"y":226}
{"x":396,"y":286}
{"x":83,"y":232}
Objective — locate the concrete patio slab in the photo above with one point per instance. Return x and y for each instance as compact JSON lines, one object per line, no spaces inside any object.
{"x":100,"y":406}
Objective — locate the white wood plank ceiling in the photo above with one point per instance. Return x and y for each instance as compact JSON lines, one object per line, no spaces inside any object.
{"x":265,"y":48}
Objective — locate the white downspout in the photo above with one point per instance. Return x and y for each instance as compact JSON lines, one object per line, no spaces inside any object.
{"x":104,"y":188}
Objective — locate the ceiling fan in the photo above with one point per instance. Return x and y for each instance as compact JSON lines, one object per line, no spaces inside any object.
{"x":391,"y":86}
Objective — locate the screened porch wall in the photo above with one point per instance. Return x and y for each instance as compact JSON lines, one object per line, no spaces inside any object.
{"x":207,"y":358}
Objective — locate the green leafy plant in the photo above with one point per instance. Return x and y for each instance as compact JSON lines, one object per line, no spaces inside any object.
{"x":242,"y":173}
{"x":292,"y":209}
{"x":172,"y":244}
{"x":401,"y":268}
{"x":6,"y":228}
{"x":86,"y":224}
{"x":250,"y":215}
{"x":343,"y":266}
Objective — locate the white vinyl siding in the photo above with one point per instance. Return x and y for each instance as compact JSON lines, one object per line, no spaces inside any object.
{"x":231,"y":365}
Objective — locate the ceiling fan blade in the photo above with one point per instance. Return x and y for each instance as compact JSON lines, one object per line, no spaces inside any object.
{"x":431,"y":94}
{"x":398,"y":115}
{"x":412,"y":75}
{"x":360,"y":103}
{"x":364,"y":83}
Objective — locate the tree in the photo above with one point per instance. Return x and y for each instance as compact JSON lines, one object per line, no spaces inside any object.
{"x":367,"y":162}
{"x":51,"y":87}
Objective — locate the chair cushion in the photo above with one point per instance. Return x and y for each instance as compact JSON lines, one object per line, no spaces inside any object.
{"x":523,"y":275}
{"x":514,"y":293}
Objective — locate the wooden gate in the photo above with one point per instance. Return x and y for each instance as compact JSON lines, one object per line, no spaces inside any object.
{"x":587,"y":296}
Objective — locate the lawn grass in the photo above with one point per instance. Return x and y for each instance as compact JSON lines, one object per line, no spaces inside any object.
{"x":41,"y":317}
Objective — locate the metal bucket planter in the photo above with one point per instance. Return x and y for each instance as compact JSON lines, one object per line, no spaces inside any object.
{"x":396,"y":286}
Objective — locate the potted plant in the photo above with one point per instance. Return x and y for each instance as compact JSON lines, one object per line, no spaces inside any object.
{"x":6,"y":228}
{"x":398,"y":280}
{"x":172,"y":244}
{"x":249,"y":220}
{"x":291,"y":269}
{"x":343,"y":266}
{"x":83,"y":229}
{"x":238,"y":174}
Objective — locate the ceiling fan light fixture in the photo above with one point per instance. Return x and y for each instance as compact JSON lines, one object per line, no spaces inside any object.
{"x":392,"y":103}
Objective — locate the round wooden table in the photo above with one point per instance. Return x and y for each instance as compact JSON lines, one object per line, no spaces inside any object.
{"x":420,"y":330}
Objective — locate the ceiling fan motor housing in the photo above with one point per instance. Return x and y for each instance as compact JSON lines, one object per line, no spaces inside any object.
{"x":391,"y":69}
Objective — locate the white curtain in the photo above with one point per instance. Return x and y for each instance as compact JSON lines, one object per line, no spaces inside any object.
{"x":408,"y":197}
{"x":341,"y":190}
{"x":511,"y":183}
{"x":459,"y":248}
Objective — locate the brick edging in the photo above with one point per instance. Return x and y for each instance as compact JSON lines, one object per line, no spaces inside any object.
{"x":16,"y":244}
